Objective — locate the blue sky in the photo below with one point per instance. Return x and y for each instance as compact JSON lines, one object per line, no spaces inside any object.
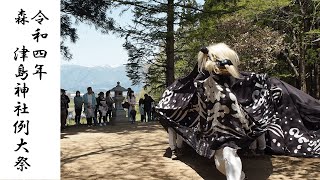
{"x":96,"y":49}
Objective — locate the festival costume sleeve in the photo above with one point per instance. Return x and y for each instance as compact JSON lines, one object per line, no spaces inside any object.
{"x":296,"y":127}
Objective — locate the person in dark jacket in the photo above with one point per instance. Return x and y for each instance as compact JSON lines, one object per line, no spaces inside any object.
{"x":102,"y":108}
{"x":148,"y":106}
{"x":78,"y":102}
{"x":64,"y":104}
{"x":110,"y":102}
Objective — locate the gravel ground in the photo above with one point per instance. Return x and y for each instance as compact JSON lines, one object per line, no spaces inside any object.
{"x":141,"y":152}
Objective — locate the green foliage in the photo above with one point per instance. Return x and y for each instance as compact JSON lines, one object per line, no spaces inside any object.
{"x":231,"y":22}
{"x":273,"y":37}
{"x":313,"y":56}
{"x":313,"y":31}
{"x":256,"y":7}
{"x":182,"y":68}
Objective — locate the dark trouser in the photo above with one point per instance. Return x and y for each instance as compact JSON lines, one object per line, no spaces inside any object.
{"x":153,"y":114}
{"x":89,"y":121}
{"x":142,"y":117}
{"x":133,"y":117}
{"x":78,"y":115}
{"x":148,"y":113}
{"x":109,"y":112}
{"x":100,"y":117}
{"x":63,"y":118}
{"x":95,"y":116}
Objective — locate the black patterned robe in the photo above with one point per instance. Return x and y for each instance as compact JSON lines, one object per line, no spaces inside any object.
{"x":212,"y":111}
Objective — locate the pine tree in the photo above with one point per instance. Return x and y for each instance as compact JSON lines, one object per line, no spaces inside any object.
{"x":300,"y":23}
{"x":153,"y":33}
{"x":82,"y":11}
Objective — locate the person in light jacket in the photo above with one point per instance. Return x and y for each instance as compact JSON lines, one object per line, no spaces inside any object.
{"x":90,"y":103}
{"x":141,"y":109}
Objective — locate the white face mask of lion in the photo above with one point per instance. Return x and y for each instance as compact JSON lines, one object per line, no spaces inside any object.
{"x":219,"y":59}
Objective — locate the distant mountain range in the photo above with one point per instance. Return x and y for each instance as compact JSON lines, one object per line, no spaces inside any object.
{"x":100,"y":78}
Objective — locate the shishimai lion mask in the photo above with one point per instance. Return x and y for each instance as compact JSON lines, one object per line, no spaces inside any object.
{"x":219,"y":59}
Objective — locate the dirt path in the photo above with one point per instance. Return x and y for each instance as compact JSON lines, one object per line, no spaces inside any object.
{"x":141,"y":152}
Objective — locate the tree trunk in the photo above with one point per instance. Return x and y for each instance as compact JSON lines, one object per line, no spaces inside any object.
{"x":311,"y":86}
{"x":296,"y":73}
{"x":170,"y":43}
{"x":317,"y":80}
{"x":302,"y":71}
{"x":305,"y":28}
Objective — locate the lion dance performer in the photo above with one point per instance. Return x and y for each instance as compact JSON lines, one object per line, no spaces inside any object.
{"x":217,"y":110}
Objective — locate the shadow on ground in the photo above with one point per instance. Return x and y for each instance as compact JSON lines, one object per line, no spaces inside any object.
{"x":124,"y":128}
{"x":141,"y":152}
{"x":293,"y":168}
{"x":256,"y":168}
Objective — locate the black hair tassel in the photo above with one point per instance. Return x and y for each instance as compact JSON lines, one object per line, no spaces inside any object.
{"x":204,"y":50}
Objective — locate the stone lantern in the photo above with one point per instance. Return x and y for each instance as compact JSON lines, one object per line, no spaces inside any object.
{"x":119,"y":113}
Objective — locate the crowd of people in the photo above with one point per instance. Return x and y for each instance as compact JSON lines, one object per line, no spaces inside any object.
{"x":98,"y":110}
{"x":146,"y":107}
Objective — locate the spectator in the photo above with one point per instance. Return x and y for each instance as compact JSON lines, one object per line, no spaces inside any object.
{"x":147,"y":106}
{"x":95,"y":113}
{"x":128,"y":94}
{"x":110,"y":102}
{"x":64,"y":104}
{"x":133,"y":114}
{"x":132,"y":103}
{"x":90,"y":103}
{"x":78,"y":101}
{"x":153,"y":110}
{"x":102,"y":108}
{"x":141,"y":109}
